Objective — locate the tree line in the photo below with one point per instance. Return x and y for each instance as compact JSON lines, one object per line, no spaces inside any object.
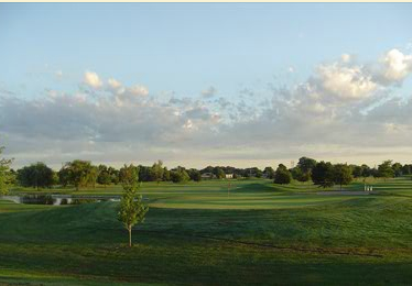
{"x":82,"y":174}
{"x":326,"y":174}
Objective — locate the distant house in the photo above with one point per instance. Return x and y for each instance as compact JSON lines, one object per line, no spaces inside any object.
{"x":208,"y":176}
{"x":229,"y":176}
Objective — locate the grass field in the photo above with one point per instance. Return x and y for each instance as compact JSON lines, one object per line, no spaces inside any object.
{"x":195,"y":234}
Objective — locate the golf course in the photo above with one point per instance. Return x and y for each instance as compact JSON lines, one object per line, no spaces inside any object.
{"x":203,"y":233}
{"x":205,"y":144}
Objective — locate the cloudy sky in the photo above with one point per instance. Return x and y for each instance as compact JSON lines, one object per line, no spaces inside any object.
{"x":206,"y":84}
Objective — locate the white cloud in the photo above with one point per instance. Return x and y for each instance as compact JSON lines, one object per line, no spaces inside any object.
{"x":138,"y":90}
{"x":113,"y":83}
{"x":209,"y":92}
{"x":397,"y":65}
{"x":347,"y":83}
{"x":317,"y":107}
{"x":346,"y":58}
{"x":320,"y":117}
{"x":188,"y":124}
{"x":92,"y":79}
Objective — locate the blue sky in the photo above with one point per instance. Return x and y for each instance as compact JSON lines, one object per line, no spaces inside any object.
{"x":182,"y":50}
{"x":187,"y":47}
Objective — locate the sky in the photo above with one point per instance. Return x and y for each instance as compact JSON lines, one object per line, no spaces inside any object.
{"x":199,"y":84}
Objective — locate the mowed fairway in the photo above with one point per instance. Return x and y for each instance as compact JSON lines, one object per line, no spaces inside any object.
{"x":195,"y":234}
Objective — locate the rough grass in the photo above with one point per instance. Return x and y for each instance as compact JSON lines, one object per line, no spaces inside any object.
{"x":195,"y":235}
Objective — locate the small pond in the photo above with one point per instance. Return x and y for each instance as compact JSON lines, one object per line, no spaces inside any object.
{"x":56,"y":200}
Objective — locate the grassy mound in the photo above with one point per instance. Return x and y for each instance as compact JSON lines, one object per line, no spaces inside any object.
{"x":344,"y":241}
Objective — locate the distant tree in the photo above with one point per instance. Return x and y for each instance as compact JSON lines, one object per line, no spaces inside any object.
{"x":374,"y":172}
{"x":114,"y":175}
{"x":323,"y":175}
{"x":145,"y":173}
{"x":219,"y":173}
{"x":269,"y":173}
{"x":36,"y":175}
{"x":306,"y":164}
{"x":342,"y":174}
{"x":24,"y":176}
{"x":208,"y":169}
{"x":92,"y":176}
{"x":157,"y":171}
{"x":129,"y":176}
{"x":282,"y":175}
{"x":406,"y":169}
{"x":104,"y":177}
{"x":397,"y":169}
{"x":195,"y":175}
{"x":357,"y":171}
{"x":296,"y":172}
{"x":79,"y":173}
{"x":131,"y":210}
{"x":64,"y":176}
{"x":257,"y":172}
{"x":299,"y":175}
{"x":247,"y":173}
{"x":179,"y":175}
{"x":230,"y":170}
{"x":366,"y":171}
{"x":166,"y":175}
{"x":385,"y":170}
{"x":12,"y":177}
{"x":303,"y":169}
{"x":305,"y":177}
{"x":4,"y":174}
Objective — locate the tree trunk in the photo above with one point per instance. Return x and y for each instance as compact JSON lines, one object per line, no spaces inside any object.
{"x":130,"y":236}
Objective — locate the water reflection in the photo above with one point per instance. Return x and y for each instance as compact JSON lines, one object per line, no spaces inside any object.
{"x":54,"y":200}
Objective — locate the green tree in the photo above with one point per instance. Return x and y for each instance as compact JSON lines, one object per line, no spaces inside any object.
{"x":323,"y":175}
{"x":357,"y":171}
{"x":179,"y":175}
{"x":366,"y":171}
{"x":406,"y":169}
{"x":269,"y":173}
{"x":64,"y":176}
{"x":303,"y":169}
{"x":257,"y":172}
{"x":12,"y":177}
{"x":299,"y":175}
{"x":36,"y":175}
{"x":157,"y":171}
{"x":195,"y":175}
{"x":114,"y":175}
{"x":4,"y":174}
{"x":92,"y":176}
{"x":397,"y":169}
{"x":282,"y":175}
{"x":104,"y":177}
{"x":129,"y":176}
{"x":306,"y":164}
{"x":145,"y":173}
{"x":79,"y":173}
{"x":166,"y":175}
{"x":131,"y":209}
{"x":385,"y":170}
{"x":342,"y":174}
{"x":374,"y":172}
{"x":219,"y":173}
